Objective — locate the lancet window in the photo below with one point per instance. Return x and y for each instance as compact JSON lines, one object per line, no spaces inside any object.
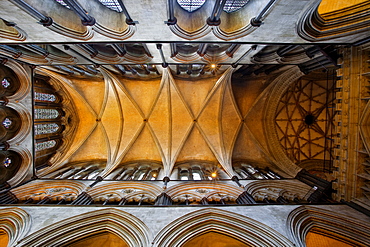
{"x":49,"y":128}
{"x":198,"y":170}
{"x":191,"y":5}
{"x":229,"y":7}
{"x":247,"y":171}
{"x":48,"y":121}
{"x":45,"y":145}
{"x":62,"y":3}
{"x":234,"y":5}
{"x":79,"y":171}
{"x":44,"y":113}
{"x":112,"y":4}
{"x":136,"y":171}
{"x":48,"y":97}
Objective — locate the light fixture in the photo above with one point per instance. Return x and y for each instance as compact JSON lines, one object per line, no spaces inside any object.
{"x":214,"y":174}
{"x":213,"y":66}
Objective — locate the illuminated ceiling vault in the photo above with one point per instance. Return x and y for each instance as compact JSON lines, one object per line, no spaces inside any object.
{"x":125,"y":113}
{"x":200,"y":81}
{"x":167,"y":120}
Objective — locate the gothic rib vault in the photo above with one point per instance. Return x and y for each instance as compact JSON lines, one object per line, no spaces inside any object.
{"x":123,"y":120}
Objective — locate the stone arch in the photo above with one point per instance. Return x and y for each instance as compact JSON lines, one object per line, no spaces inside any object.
{"x":129,"y":228}
{"x":24,"y":168}
{"x":364,"y":126}
{"x":64,"y":21}
{"x":331,"y":223}
{"x":281,"y":84}
{"x":288,"y":189}
{"x":58,"y":84}
{"x":10,"y":123}
{"x":130,"y":190}
{"x":15,"y":222}
{"x":25,"y":120}
{"x":10,"y":165}
{"x":9,"y":81}
{"x":23,"y":75}
{"x":199,"y":190}
{"x":192,"y":25}
{"x":8,"y":31}
{"x":55,"y":190}
{"x":207,"y":220}
{"x":321,"y":21}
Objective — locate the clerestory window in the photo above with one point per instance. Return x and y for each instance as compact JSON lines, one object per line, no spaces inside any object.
{"x":41,"y":129}
{"x":112,"y":4}
{"x":62,"y":3}
{"x":234,"y":5}
{"x":45,"y":145}
{"x":191,"y":5}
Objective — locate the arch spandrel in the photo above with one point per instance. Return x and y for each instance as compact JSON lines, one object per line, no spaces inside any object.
{"x":244,"y":229}
{"x":124,"y":225}
{"x":345,"y":228}
{"x":15,"y":223}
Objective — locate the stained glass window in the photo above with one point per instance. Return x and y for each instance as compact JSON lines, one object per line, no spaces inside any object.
{"x":49,"y":128}
{"x":62,"y":3}
{"x":191,"y":5}
{"x":45,"y":145}
{"x":45,"y":97}
{"x":46,"y":114}
{"x":230,"y":5}
{"x":7,"y":162}
{"x":5,"y":83}
{"x":234,"y":5}
{"x":7,"y":123}
{"x":112,"y":4}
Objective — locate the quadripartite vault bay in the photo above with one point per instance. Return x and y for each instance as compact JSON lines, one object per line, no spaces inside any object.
{"x":184,"y":123}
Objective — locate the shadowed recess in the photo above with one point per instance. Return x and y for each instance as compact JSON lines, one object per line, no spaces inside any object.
{"x":106,"y":239}
{"x":214,"y":239}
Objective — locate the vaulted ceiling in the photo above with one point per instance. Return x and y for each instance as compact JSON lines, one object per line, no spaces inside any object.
{"x":170,"y":85}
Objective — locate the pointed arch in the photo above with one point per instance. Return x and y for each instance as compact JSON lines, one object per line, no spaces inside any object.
{"x":124,"y":189}
{"x":55,"y":190}
{"x":128,"y":227}
{"x":330,"y":223}
{"x":239,"y":227}
{"x":15,"y":222}
{"x":281,"y":84}
{"x":288,"y":189}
